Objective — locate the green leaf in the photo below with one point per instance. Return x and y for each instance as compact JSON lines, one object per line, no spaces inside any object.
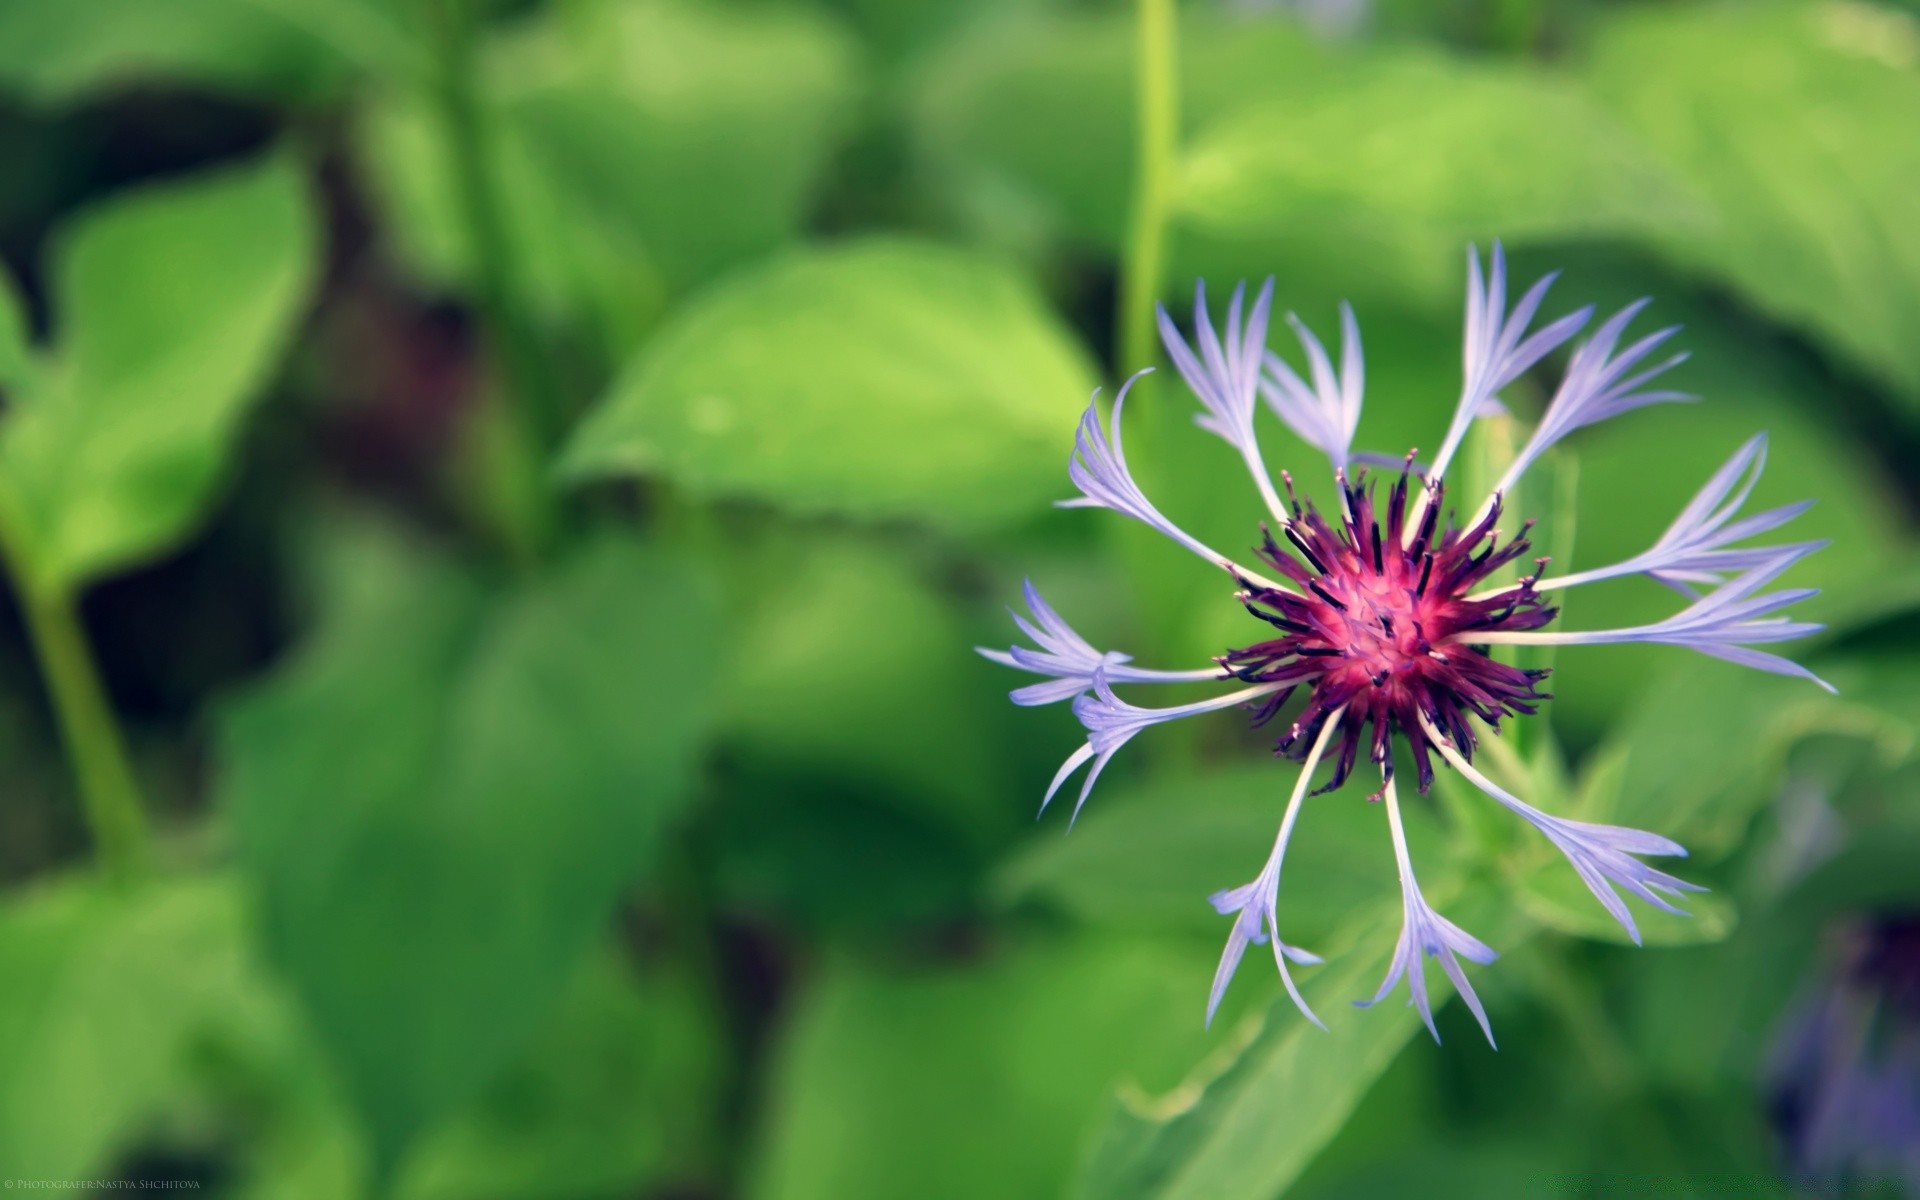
{"x":1448,"y":149}
{"x":172,"y":307}
{"x":441,"y":802}
{"x":1042,"y":106}
{"x":1148,"y":857}
{"x":1247,"y":1121}
{"x":816,"y":684}
{"x":1796,"y":121}
{"x":616,"y":1089}
{"x":891,"y":1082}
{"x":640,"y":147}
{"x":1030,"y":122}
{"x":1709,"y":745}
{"x":56,"y":52}
{"x":619,"y":1088}
{"x":103,"y":996}
{"x":17,"y":357}
{"x":879,"y":379}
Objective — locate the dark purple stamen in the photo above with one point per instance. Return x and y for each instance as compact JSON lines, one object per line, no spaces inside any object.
{"x":1386,"y":630}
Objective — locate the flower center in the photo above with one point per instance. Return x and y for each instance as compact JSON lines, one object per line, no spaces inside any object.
{"x":1384,"y":625}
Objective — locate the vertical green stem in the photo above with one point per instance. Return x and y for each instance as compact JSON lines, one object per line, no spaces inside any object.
{"x":481,"y":209}
{"x":535,"y":418}
{"x":1157,"y":126}
{"x":1143,"y":268}
{"x":109,"y":794}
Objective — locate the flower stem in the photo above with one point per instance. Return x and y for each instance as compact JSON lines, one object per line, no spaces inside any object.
{"x":109,"y":795}
{"x":1143,"y":269}
{"x":1157,"y":128}
{"x":534,"y":415}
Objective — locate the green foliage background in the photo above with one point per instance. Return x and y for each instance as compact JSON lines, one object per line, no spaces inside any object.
{"x":499,"y":499}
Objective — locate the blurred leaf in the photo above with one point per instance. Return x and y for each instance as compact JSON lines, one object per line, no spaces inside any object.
{"x":1796,"y":121}
{"x":1035,"y":116}
{"x":878,"y":379}
{"x":641,"y":147}
{"x":615,"y":1090}
{"x":17,"y":364}
{"x":103,"y":995}
{"x":1043,"y":105}
{"x":891,"y":1083}
{"x":619,"y":1088}
{"x":57,"y":52}
{"x":1451,"y":149}
{"x":1708,"y":746}
{"x":172,"y":307}
{"x":818,"y":678}
{"x":441,"y":802}
{"x":814,"y":853}
{"x":1149,"y":856}
{"x":1249,"y":1120}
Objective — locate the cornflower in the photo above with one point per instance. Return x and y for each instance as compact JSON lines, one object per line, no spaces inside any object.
{"x":1384,"y":615}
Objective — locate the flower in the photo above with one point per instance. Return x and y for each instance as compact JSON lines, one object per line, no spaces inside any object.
{"x":1844,"y":1080}
{"x":1383,"y":614}
{"x":1067,"y":657}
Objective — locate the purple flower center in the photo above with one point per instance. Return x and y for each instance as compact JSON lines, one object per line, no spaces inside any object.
{"x":1385,"y":626}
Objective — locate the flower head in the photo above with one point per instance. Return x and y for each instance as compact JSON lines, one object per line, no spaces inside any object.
{"x":1845,"y":1075}
{"x":1382,"y":614}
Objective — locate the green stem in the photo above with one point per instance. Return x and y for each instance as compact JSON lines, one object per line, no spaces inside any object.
{"x":1157,"y":127}
{"x":109,"y":795}
{"x":534,"y":414}
{"x":1143,"y":268}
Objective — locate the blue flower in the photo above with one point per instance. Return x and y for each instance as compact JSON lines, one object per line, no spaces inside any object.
{"x":1071,"y":660}
{"x":1597,"y":386}
{"x":1111,"y":723}
{"x":1426,"y":934}
{"x":1845,"y":1071}
{"x":1255,"y":906}
{"x":1383,"y":615}
{"x":1695,"y":549}
{"x":1326,"y":414}
{"x":1724,"y":623}
{"x":1602,"y":855}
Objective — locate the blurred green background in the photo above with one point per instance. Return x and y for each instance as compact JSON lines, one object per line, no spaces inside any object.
{"x":499,"y":499}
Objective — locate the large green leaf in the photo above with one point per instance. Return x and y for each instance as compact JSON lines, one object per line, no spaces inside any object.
{"x":895,"y":1082}
{"x":1148,"y":857}
{"x":818,"y":677}
{"x":1796,"y":120}
{"x":877,"y":379}
{"x":619,"y":1088}
{"x":440,"y":803}
{"x":103,"y":997}
{"x":1247,"y":1121}
{"x":615,"y":1089}
{"x":1042,"y":107}
{"x":171,"y":307}
{"x":640,"y":147}
{"x":1708,"y":748}
{"x":1351,"y":169}
{"x":57,"y":52}
{"x":1440,"y":149}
